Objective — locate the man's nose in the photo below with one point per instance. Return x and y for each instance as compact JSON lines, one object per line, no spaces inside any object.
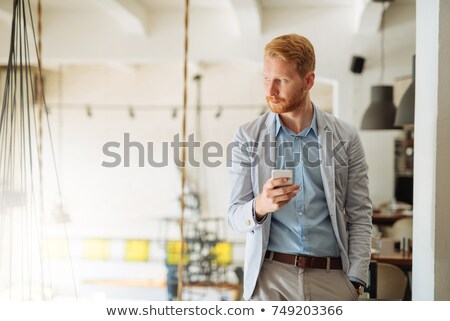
{"x":273,"y":89}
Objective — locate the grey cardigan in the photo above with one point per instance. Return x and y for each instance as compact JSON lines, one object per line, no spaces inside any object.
{"x":344,"y":175}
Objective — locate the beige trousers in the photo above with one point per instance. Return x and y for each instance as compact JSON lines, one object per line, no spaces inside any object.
{"x":283,"y":282}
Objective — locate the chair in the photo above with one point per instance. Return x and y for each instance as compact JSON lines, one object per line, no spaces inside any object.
{"x":402,"y":228}
{"x":386,"y":282}
{"x":391,"y":282}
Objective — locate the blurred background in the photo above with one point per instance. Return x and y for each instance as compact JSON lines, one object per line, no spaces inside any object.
{"x":112,"y":76}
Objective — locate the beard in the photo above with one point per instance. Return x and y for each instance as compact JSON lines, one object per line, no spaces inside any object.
{"x":281,"y":105}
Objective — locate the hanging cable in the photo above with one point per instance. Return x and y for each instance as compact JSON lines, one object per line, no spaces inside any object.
{"x":183,"y":155}
{"x":21,"y":137}
{"x":46,"y":110}
{"x":385,"y":4}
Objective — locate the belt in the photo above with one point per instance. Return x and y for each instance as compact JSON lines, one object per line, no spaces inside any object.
{"x":312,"y":262}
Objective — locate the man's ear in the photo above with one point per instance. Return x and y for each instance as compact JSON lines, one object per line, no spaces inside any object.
{"x":309,"y":80}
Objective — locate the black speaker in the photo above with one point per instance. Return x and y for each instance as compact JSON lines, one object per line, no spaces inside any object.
{"x":357,"y":64}
{"x":404,"y":189}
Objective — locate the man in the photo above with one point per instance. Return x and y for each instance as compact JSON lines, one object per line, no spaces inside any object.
{"x":309,"y":240}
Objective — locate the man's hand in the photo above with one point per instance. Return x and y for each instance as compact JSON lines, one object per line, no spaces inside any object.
{"x":274,"y":196}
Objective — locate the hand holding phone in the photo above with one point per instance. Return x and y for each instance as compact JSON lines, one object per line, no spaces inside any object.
{"x":275,"y":194}
{"x":283,"y":173}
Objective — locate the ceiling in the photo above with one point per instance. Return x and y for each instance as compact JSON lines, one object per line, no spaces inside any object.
{"x":152,"y":30}
{"x":216,"y":4}
{"x":179,"y":4}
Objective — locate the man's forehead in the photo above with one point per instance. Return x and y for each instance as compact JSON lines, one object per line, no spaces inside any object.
{"x":279,"y":66}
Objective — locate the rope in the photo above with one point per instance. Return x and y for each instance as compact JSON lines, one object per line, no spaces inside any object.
{"x":183,"y":155}
{"x":382,"y":54}
{"x":43,"y":108}
{"x":39,"y":95}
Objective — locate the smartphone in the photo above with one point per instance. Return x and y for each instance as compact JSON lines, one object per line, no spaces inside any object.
{"x":279,"y":173}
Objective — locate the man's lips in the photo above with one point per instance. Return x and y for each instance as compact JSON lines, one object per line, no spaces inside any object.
{"x":274,"y":100}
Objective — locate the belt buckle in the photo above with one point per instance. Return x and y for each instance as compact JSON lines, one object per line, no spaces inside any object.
{"x":296,"y":260}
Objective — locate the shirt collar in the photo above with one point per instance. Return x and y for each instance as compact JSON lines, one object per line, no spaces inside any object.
{"x":313,"y":126}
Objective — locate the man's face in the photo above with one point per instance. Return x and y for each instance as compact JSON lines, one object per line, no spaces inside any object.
{"x":285,"y":90}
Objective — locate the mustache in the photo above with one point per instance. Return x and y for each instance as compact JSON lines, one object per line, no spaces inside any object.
{"x":274,"y":98}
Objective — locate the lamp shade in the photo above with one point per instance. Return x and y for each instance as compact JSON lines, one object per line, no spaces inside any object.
{"x":405,"y":111}
{"x":381,"y":111}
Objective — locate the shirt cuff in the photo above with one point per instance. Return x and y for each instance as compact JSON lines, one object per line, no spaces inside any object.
{"x":255,"y":219}
{"x":355,"y":279}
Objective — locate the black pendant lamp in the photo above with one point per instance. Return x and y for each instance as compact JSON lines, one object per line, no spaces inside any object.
{"x":381,"y":111}
{"x":405,"y":111}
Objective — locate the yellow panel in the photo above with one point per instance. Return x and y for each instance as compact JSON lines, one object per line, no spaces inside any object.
{"x":56,"y":248}
{"x":173,"y":253}
{"x":223,"y":253}
{"x":136,"y":250}
{"x":96,"y":249}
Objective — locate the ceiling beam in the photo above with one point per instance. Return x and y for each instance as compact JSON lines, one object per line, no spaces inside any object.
{"x":248,"y":14}
{"x":132,"y":17}
{"x":369,"y":14}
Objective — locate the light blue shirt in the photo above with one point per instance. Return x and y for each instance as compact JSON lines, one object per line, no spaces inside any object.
{"x":302,"y":226}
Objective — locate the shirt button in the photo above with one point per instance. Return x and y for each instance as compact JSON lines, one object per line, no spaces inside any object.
{"x":300,"y":213}
{"x":248,"y":222}
{"x":304,"y":237}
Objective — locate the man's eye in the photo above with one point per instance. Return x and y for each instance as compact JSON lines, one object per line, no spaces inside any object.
{"x":282,"y":81}
{"x":266,"y":79}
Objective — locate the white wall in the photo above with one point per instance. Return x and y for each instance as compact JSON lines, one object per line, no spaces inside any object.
{"x":127,"y":201}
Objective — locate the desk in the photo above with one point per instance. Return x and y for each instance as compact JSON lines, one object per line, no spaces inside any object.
{"x":389,"y":255}
{"x":387,"y":218}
